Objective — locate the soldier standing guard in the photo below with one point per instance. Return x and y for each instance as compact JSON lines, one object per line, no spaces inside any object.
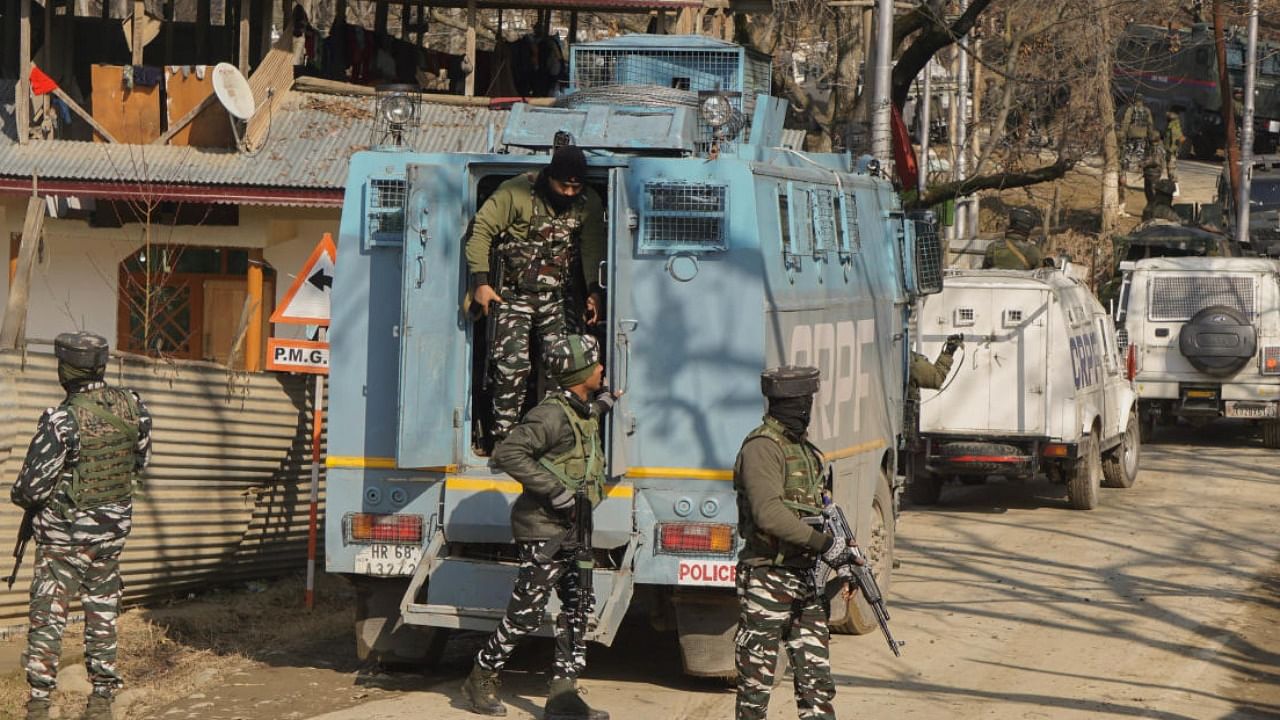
{"x":78,"y":481}
{"x":552,"y":452}
{"x":779,"y":479}
{"x":547,"y":224}
{"x":1015,"y":251}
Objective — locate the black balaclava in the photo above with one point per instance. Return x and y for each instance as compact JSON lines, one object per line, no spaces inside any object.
{"x":793,"y":413}
{"x":557,"y":202}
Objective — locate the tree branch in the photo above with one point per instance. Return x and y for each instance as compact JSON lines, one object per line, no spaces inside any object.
{"x":933,"y":38}
{"x":948,"y":191}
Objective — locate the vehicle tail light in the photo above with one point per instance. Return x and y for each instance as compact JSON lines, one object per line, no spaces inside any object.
{"x":1271,"y":360}
{"x":384,"y":528}
{"x":695,"y":538}
{"x":1131,"y":363}
{"x":1057,"y":450}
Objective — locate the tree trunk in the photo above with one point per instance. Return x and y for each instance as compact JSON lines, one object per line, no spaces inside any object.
{"x":1111,"y":178}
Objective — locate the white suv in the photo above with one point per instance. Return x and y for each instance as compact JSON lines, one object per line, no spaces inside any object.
{"x":1203,"y":336}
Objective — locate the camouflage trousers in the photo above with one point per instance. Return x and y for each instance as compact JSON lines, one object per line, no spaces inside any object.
{"x":1171,"y":167}
{"x":525,"y":611}
{"x":62,"y":572}
{"x":781,"y":605}
{"x":518,"y":318}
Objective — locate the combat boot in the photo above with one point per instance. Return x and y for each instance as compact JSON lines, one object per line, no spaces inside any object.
{"x":481,"y":690}
{"x":38,"y":708}
{"x":98,"y":708}
{"x":565,"y":702}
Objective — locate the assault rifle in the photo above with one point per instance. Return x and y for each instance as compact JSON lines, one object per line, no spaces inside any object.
{"x":496,"y":273}
{"x":859,"y":568}
{"x":577,"y":538}
{"x":25,"y":531}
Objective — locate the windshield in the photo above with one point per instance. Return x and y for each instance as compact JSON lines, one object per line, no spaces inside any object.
{"x":1264,"y":193}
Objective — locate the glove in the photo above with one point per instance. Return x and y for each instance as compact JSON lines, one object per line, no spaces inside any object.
{"x":562,"y":503}
{"x":604,"y":401}
{"x":954,"y":342}
{"x":837,"y":556}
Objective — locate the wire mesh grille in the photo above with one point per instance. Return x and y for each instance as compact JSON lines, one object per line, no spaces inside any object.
{"x":824,"y":220}
{"x":1179,"y":297}
{"x":683,"y":217}
{"x":731,"y":70}
{"x":851,"y":239}
{"x":928,"y":257}
{"x":386,"y":209}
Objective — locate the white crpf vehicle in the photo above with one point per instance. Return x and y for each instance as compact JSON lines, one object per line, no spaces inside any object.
{"x":1204,"y":335}
{"x":1040,"y":386}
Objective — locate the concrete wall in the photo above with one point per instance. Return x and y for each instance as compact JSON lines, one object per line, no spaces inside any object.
{"x":74,"y":283}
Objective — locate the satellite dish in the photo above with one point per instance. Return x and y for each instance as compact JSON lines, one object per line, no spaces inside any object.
{"x":233,"y":91}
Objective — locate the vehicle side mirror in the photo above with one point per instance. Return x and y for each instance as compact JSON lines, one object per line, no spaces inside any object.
{"x":925,"y":257}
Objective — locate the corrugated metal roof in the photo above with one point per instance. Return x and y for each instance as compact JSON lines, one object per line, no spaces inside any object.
{"x":660,"y":42}
{"x":311,"y":139}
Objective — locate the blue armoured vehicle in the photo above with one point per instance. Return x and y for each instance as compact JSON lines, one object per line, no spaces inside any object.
{"x":726,"y":254}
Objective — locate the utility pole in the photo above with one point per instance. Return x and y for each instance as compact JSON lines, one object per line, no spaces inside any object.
{"x":961,"y":151}
{"x":1246,"y":154}
{"x":880,"y":112}
{"x":926,"y":96}
{"x":1228,"y":105}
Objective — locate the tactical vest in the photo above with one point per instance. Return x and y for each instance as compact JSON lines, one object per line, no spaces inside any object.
{"x":106,"y":423}
{"x":801,"y":489}
{"x":542,"y":260}
{"x":1139,"y":122}
{"x":584,"y":462}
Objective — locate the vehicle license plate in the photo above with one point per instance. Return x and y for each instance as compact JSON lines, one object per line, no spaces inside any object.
{"x":387,"y":559}
{"x":1246,"y":409}
{"x":713,"y":573}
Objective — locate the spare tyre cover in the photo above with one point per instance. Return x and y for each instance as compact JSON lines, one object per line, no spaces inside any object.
{"x":1218,"y":340}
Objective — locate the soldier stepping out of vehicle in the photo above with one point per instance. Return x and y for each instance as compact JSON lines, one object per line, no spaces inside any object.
{"x":1015,"y":251}
{"x":779,"y":479}
{"x":546,"y":224}
{"x":556,"y":454}
{"x":927,"y":375}
{"x":77,"y":484}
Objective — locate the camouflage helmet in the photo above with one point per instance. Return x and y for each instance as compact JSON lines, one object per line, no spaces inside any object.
{"x":571,"y":358}
{"x":1164,"y":186}
{"x":83,"y":350}
{"x":789,"y":381}
{"x":1022,"y":221}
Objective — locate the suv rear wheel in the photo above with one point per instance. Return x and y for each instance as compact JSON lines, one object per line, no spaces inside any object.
{"x":1120,"y":465}
{"x":1085,"y":475}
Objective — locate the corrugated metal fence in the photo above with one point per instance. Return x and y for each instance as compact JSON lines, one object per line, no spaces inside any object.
{"x":229,"y":482}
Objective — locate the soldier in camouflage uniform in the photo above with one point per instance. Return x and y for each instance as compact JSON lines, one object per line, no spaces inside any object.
{"x":552,"y":452}
{"x":78,"y":480}
{"x":1161,"y":205}
{"x":1015,"y":251}
{"x":548,"y":224}
{"x":1173,"y":140}
{"x":779,"y":480}
{"x":928,"y":375}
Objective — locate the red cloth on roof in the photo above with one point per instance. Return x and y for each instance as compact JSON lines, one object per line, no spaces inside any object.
{"x":41,"y":84}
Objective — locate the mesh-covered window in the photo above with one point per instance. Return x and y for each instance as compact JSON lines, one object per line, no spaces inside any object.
{"x":1178,"y":297}
{"x":850,"y":238}
{"x":802,"y":224}
{"x":929,"y":259}
{"x":683,"y":217}
{"x":386,"y":208}
{"x":825,"y":220}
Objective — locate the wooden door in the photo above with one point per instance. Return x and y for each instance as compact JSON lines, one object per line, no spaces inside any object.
{"x":224,"y":314}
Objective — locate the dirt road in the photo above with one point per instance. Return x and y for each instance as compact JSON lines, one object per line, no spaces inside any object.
{"x":1163,"y":603}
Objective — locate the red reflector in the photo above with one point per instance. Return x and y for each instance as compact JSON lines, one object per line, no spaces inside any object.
{"x":696,"y":538}
{"x":384,"y":528}
{"x":1054,"y":450}
{"x":1131,"y":363}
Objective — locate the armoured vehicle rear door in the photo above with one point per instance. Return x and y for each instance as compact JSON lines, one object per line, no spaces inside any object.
{"x":622,"y":317}
{"x":432,"y":351}
{"x":1017,"y":359}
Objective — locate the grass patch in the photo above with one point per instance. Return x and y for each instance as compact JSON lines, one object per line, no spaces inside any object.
{"x":170,"y":650}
